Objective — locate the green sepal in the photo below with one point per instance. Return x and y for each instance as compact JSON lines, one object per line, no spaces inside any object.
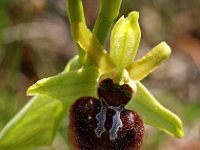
{"x":125,"y":39}
{"x":68,"y":86}
{"x":154,"y":113}
{"x":144,"y":66}
{"x":35,"y":125}
{"x":109,"y":10}
{"x":99,"y":56}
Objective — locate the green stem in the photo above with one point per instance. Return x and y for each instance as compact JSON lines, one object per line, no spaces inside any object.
{"x":75,"y":11}
{"x":109,"y":10}
{"x":76,"y":14}
{"x":96,"y":52}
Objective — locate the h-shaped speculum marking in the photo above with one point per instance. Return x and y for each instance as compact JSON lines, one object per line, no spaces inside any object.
{"x":116,"y":121}
{"x":101,"y":118}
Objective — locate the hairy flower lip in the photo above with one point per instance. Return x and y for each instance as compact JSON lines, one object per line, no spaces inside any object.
{"x":83,"y":136}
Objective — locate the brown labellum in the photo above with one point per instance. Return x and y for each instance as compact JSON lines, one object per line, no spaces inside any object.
{"x":104,"y":123}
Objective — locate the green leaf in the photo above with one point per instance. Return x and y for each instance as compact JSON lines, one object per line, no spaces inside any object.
{"x":68,"y":86}
{"x":125,"y":39}
{"x":142,"y":67}
{"x":35,"y":125}
{"x":109,"y":10}
{"x":154,"y":113}
{"x":83,"y":36}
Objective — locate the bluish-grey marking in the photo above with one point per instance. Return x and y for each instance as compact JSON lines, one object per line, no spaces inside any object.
{"x":101,"y":118}
{"x":116,"y":123}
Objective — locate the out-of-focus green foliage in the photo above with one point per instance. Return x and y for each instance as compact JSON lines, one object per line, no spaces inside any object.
{"x":29,"y":128}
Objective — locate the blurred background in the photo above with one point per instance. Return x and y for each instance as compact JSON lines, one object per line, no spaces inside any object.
{"x":35,"y":42}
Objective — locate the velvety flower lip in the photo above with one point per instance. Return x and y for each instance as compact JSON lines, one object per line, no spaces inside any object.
{"x":97,"y":124}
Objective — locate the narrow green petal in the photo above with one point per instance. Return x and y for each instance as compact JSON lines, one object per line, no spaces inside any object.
{"x":142,"y":67}
{"x":109,"y":10}
{"x":35,"y":125}
{"x":125,"y":39}
{"x":92,"y":47}
{"x":68,"y":86}
{"x":154,"y":113}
